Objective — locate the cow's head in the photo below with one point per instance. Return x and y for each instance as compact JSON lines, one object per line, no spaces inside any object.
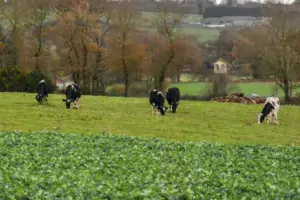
{"x":174,"y":106}
{"x":162,"y":110}
{"x":39,"y":98}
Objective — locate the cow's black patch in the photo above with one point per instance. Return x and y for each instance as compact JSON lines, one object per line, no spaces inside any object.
{"x":266,"y":111}
{"x":173,"y":98}
{"x":42,"y":90}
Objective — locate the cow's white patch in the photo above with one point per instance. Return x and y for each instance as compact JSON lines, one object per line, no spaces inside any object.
{"x":160,"y":93}
{"x":274,"y":101}
{"x":42,"y":81}
{"x":164,"y":109}
{"x":68,"y":100}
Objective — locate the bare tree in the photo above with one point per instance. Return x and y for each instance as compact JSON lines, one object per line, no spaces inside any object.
{"x":167,"y":20}
{"x":15,"y":17}
{"x":124,"y":22}
{"x":277,"y":45}
{"x":104,"y":14}
{"x":39,"y":15}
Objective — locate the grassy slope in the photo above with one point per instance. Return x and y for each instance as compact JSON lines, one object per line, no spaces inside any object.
{"x":201,"y":33}
{"x":195,"y":121}
{"x":263,"y":89}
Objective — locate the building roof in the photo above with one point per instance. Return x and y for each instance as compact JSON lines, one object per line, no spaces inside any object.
{"x":222,"y":11}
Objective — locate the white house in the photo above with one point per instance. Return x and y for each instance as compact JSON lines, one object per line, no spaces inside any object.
{"x":220,"y":67}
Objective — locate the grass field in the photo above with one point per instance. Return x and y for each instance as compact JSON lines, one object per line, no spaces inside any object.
{"x":79,"y":166}
{"x":262,"y":89}
{"x":195,"y":121}
{"x":201,"y":33}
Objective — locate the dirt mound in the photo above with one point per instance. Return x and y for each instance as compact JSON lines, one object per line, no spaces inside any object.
{"x":239,"y":98}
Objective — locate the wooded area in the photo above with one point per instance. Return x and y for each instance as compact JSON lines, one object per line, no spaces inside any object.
{"x":93,"y":43}
{"x":96,"y":44}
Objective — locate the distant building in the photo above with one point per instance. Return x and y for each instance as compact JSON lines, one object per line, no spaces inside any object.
{"x":221,"y":67}
{"x":232,"y":16}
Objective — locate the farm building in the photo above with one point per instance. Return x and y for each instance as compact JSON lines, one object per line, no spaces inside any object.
{"x":232,"y":16}
{"x":221,"y":67}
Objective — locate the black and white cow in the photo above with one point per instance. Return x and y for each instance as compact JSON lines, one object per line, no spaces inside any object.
{"x":73,"y":94}
{"x":157,"y":101}
{"x":42,"y":90}
{"x":269,"y":111}
{"x":173,"y":98}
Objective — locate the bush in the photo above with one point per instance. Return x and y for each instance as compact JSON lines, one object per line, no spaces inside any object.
{"x":138,"y":90}
{"x":220,"y":86}
{"x":12,"y":79}
{"x":116,"y":90}
{"x":33,"y":78}
{"x":195,"y":97}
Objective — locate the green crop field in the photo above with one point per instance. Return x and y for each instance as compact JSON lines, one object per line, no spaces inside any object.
{"x":262,"y":89}
{"x":195,"y":121}
{"x":81,"y":166}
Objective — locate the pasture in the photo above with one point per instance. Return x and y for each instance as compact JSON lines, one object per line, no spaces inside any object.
{"x":262,"y":89}
{"x":202,"y":34}
{"x":42,"y":165}
{"x":195,"y":121}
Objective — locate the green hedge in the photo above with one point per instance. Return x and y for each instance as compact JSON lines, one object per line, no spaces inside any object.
{"x":13,"y":79}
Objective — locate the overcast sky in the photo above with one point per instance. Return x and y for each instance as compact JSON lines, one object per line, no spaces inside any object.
{"x":284,"y":1}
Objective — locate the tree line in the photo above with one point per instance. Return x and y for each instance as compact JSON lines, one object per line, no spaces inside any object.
{"x":96,"y":44}
{"x":93,"y":42}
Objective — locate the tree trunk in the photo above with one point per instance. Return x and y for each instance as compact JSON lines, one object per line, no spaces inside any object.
{"x":178,"y":75}
{"x":161,"y":80}
{"x":126,"y":81}
{"x":165,"y":66}
{"x":286,"y":89}
{"x":125,"y":69}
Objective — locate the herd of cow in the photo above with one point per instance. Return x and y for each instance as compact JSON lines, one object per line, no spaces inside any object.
{"x":157,"y":100}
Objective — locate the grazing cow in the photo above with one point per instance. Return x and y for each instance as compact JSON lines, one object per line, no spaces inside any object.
{"x":173,"y":98}
{"x":157,"y":100}
{"x":269,"y":111}
{"x":73,"y":94}
{"x":42,"y":91}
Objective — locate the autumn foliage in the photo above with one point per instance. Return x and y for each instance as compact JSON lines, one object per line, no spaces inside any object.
{"x":96,"y":45}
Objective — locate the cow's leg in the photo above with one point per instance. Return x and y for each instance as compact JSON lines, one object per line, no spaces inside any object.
{"x":157,"y":111}
{"x":152,"y":108}
{"x":275,"y":118}
{"x":77,"y":104}
{"x":269,"y":118}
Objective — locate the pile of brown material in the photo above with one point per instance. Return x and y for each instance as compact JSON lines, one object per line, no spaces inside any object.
{"x":239,"y":98}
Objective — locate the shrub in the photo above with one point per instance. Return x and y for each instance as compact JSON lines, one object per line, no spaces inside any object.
{"x":116,"y":90}
{"x":33,"y":78}
{"x":138,"y":89}
{"x":219,"y":86}
{"x":12,"y":79}
{"x":195,"y":97}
